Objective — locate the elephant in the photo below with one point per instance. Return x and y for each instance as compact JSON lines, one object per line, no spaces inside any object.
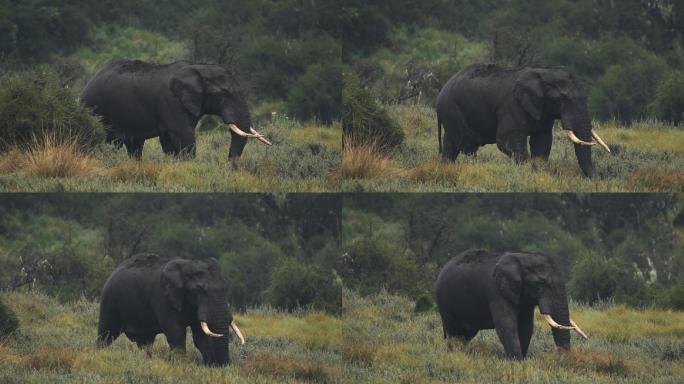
{"x":148,"y":294}
{"x":139,"y":101}
{"x":486,"y":104}
{"x":479,"y":289}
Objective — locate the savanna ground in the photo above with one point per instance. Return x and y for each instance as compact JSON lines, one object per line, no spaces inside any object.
{"x":56,"y":344}
{"x":386,"y":342}
{"x":305,"y":157}
{"x":648,"y":156}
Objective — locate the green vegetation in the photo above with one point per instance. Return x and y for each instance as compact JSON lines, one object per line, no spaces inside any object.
{"x":646,"y":157}
{"x":385,"y":341}
{"x":627,"y":249}
{"x":68,"y":244}
{"x":8,"y":321}
{"x":56,"y":343}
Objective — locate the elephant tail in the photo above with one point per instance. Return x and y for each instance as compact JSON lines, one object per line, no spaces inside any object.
{"x":439,"y":134}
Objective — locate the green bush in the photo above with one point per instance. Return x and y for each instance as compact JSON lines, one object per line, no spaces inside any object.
{"x":34,"y":103}
{"x":316,"y":94}
{"x":295,"y":284}
{"x":364,"y":121}
{"x":596,"y":278}
{"x":669,"y":102}
{"x":8,"y":320}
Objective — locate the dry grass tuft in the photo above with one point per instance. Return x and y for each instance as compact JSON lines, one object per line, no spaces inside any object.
{"x":51,"y":359}
{"x":582,"y":361}
{"x":365,"y":162}
{"x":50,"y":156}
{"x":359,"y":353}
{"x":133,"y":171}
{"x":655,"y":179}
{"x":286,"y":367}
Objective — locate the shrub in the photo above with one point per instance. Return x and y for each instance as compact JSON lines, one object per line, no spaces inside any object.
{"x":597,"y":278}
{"x":294,"y":284}
{"x":669,"y":102}
{"x":8,"y":320}
{"x":34,"y":103}
{"x":365,"y":161}
{"x":50,"y":156}
{"x":316,"y":94}
{"x":364,"y":121}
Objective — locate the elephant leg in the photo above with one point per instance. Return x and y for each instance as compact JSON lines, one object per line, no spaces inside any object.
{"x":511,"y":140}
{"x":168,"y":145}
{"x":134,"y":146}
{"x":184,"y":142}
{"x":540,"y":144}
{"x":450,"y":150}
{"x":506,"y":325}
{"x":144,"y":341}
{"x":175,"y":336}
{"x":525,"y":328}
{"x":108,"y":330}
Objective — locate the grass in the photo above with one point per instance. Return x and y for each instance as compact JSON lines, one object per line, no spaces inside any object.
{"x":56,"y":344}
{"x":304,"y":158}
{"x":385,"y":342}
{"x":647,"y":157}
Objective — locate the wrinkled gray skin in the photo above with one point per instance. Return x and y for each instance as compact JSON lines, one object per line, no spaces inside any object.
{"x":484,"y":290}
{"x":486,"y":104}
{"x":139,"y":101}
{"x":147,"y":295}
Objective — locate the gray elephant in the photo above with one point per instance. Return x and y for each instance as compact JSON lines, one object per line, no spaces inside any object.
{"x":148,"y":294}
{"x":139,"y":101}
{"x":486,"y":104}
{"x":479,"y":290}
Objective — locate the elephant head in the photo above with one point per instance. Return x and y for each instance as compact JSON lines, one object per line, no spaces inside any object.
{"x":197,"y":290}
{"x":205,"y":89}
{"x":555,"y":92}
{"x":528,"y":280}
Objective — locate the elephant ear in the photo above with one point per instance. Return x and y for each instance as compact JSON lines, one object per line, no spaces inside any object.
{"x":187,"y":85}
{"x":508,"y":277}
{"x":529,"y":91}
{"x":172,"y":284}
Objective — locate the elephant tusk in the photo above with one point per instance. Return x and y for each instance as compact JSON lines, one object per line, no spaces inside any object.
{"x":239,"y":131}
{"x":259,"y":136}
{"x":576,"y":140}
{"x":553,"y":324}
{"x":600,"y":141}
{"x":206,"y":330}
{"x":578,"y":329}
{"x":237,"y":332}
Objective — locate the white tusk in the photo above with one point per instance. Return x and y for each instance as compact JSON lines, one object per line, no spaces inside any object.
{"x":206,"y":330}
{"x":578,"y":329}
{"x":237,"y":332}
{"x":552,"y":323}
{"x":576,"y":140}
{"x":260,"y":137}
{"x":237,"y":130}
{"x":600,"y":140}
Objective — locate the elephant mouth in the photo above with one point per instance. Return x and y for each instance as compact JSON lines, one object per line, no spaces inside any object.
{"x":253,"y":133}
{"x":573,"y":326}
{"x":572,"y":137}
{"x":233,"y":326}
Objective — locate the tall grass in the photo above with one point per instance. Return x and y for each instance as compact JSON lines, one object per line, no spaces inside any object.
{"x":56,"y":343}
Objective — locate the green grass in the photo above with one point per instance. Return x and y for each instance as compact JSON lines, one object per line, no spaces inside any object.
{"x":647,"y":157}
{"x":385,"y":342}
{"x":56,"y":344}
{"x":303,"y":158}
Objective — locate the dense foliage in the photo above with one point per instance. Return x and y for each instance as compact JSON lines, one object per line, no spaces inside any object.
{"x":276,"y":249}
{"x":8,"y":320}
{"x":283,"y":51}
{"x":35,"y":103}
{"x":623,"y":51}
{"x":626,"y":248}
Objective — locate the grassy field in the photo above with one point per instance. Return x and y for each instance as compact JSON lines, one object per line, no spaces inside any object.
{"x":303,"y":158}
{"x":646,"y":157}
{"x":385,"y":342}
{"x":56,"y":344}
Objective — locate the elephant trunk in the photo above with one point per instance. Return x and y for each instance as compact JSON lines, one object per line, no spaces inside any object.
{"x":215,"y":321}
{"x":576,"y":120}
{"x":561,"y":315}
